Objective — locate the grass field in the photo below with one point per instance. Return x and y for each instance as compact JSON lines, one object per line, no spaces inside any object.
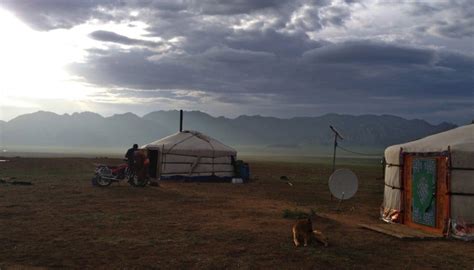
{"x":63,"y":222}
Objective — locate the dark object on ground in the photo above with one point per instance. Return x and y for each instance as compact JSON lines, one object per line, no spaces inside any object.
{"x":242,"y":170}
{"x":286,"y":179}
{"x":22,"y":183}
{"x":7,"y":180}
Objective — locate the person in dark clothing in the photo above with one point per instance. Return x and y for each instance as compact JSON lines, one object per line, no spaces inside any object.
{"x":130,"y":156}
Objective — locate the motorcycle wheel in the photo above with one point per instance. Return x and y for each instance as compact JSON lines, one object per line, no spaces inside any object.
{"x":134,"y":181}
{"x":102,"y":182}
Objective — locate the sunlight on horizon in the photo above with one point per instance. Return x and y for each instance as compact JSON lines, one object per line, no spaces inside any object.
{"x":33,"y":63}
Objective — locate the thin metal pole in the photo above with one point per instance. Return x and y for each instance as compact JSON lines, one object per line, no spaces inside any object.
{"x":340,"y":201}
{"x":334,"y":157}
{"x":334,"y":154}
{"x":180,"y":120}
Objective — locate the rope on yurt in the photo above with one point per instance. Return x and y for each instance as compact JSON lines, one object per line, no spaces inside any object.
{"x":460,"y":194}
{"x":393,"y":187}
{"x":185,"y":139}
{"x":393,"y":165}
{"x":461,"y":169}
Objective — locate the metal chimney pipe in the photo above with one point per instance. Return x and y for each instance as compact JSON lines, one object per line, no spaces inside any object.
{"x":180,"y":120}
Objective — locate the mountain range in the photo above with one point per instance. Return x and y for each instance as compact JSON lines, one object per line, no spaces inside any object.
{"x":299,"y":134}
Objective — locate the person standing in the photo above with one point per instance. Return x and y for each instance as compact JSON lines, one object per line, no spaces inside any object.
{"x":130,"y":156}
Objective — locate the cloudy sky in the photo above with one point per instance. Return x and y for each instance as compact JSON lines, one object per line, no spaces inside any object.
{"x":279,"y":58}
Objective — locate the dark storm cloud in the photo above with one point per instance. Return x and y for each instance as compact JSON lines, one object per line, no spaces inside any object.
{"x":233,"y":7}
{"x":352,"y":1}
{"x":457,"y":61}
{"x":232,"y":56}
{"x":113,"y":37}
{"x":270,"y":40}
{"x":52,"y":14}
{"x":131,"y":69}
{"x":164,"y":14}
{"x":270,"y":53}
{"x":332,"y":71}
{"x":367,"y":52}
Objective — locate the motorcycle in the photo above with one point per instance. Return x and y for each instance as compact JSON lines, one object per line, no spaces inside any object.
{"x":106,"y":174}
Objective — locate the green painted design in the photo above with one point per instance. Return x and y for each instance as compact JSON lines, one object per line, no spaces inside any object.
{"x":424,"y":192}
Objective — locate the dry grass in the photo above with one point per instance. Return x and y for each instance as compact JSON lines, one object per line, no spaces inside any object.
{"x":63,"y":222}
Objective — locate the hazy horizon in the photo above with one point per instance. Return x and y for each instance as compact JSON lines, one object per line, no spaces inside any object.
{"x":47,"y":132}
{"x":228,"y":117}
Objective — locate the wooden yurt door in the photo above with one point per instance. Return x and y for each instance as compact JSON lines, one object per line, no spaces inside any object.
{"x":153,"y":168}
{"x":426,"y":197}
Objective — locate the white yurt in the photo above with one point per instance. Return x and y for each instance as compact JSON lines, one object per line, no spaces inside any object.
{"x":429,"y":183}
{"x":190,"y":155}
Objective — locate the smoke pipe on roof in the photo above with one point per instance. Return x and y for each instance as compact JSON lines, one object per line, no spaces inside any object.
{"x":180,"y":120}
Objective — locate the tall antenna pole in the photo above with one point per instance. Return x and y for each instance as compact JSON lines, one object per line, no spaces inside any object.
{"x":336,"y":135}
{"x":334,"y":154}
{"x":180,"y":120}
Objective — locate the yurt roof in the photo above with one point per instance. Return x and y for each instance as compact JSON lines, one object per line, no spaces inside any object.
{"x":458,"y":139}
{"x":193,"y":143}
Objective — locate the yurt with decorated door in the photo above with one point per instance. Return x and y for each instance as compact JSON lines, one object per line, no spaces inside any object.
{"x":429,"y":183}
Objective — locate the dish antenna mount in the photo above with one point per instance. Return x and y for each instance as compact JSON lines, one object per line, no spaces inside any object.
{"x":336,"y":136}
{"x":343,"y":184}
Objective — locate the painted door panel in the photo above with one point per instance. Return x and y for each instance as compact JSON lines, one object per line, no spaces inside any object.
{"x":418,"y":186}
{"x":424,"y":191}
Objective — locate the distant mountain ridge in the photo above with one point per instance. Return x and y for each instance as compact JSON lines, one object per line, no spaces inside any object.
{"x":88,"y":129}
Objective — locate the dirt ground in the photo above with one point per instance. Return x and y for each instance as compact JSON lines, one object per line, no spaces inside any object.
{"x":62,"y":221}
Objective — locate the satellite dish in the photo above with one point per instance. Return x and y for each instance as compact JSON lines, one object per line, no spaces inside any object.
{"x":343,"y":184}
